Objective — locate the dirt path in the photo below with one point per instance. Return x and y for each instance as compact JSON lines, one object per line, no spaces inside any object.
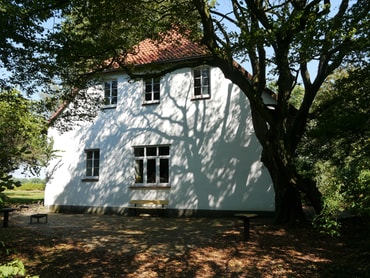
{"x":73,"y":245}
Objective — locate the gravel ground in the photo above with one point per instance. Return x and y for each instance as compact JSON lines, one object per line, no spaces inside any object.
{"x":76,"y":245}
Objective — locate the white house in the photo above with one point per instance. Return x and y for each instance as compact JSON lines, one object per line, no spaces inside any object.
{"x":186,"y":137}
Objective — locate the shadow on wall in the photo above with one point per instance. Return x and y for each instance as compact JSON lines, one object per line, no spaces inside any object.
{"x":214,"y":153}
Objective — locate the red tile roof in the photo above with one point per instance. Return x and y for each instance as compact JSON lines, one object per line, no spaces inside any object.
{"x":172,"y":48}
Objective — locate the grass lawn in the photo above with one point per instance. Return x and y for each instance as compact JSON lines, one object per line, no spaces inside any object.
{"x":19,"y":197}
{"x":28,"y":193}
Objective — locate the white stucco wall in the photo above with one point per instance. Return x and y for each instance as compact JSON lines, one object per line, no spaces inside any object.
{"x":214,"y":162}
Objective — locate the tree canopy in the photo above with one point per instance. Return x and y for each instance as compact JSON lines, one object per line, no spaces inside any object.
{"x":23,"y":137}
{"x":336,"y":147}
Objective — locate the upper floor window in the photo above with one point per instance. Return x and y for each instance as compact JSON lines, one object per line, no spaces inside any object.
{"x":92,"y":163}
{"x":201,"y":83}
{"x":152,"y":90}
{"x":110,"y":93}
{"x":152,"y":165}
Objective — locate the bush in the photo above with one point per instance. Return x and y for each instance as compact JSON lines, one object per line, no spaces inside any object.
{"x":14,"y":269}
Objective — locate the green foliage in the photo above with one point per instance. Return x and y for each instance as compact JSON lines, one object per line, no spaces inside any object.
{"x":14,"y":268}
{"x":23,"y":138}
{"x":24,"y":42}
{"x":336,"y":149}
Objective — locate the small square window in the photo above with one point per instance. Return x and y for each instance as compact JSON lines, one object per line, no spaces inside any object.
{"x":152,"y":90}
{"x":201,"y":83}
{"x":92,"y":163}
{"x":110,"y":93}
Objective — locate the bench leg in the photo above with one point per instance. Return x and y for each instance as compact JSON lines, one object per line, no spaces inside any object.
{"x":6,"y":219}
{"x":246,"y":228}
{"x":38,"y":218}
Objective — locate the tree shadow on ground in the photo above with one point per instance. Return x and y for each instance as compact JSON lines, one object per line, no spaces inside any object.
{"x":117,"y":246}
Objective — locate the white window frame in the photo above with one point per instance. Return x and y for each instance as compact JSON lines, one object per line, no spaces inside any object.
{"x":201,"y":84}
{"x":144,"y":158}
{"x":111,"y":95}
{"x":152,"y":82}
{"x":92,"y":164}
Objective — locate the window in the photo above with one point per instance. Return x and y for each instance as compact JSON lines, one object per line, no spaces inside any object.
{"x":201,"y":83}
{"x":152,"y":90}
{"x":110,"y":93}
{"x":92,"y":163}
{"x":152,"y":165}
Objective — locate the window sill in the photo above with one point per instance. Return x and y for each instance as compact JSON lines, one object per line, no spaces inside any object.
{"x":150,"y":103}
{"x":200,"y":97}
{"x":150,"y":186}
{"x":90,"y":179}
{"x":106,"y":107}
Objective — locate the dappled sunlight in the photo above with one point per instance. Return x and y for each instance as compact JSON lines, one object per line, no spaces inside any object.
{"x":213,"y":157}
{"x":71,"y":245}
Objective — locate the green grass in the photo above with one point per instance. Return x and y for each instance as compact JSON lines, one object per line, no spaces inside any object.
{"x":30,"y":186}
{"x":20,"y":197}
{"x":28,"y":193}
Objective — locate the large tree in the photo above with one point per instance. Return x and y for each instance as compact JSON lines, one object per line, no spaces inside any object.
{"x":285,"y":36}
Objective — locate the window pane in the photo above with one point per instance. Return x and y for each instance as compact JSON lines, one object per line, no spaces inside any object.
{"x":151,"y":151}
{"x":205,"y":81}
{"x":89,"y":172}
{"x":164,"y":150}
{"x":197,"y":91}
{"x":205,"y":73}
{"x":96,"y":154}
{"x":163,"y":170}
{"x":89,"y":155}
{"x":114,"y":86}
{"x":151,"y":170}
{"x":148,"y":97}
{"x":96,"y":163}
{"x":148,"y":87}
{"x":106,"y":87}
{"x":96,"y":172}
{"x":139,"y":151}
{"x":156,"y":87}
{"x":139,"y":170}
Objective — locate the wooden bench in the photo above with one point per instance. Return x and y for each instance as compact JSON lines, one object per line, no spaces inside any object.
{"x":245,"y":217}
{"x":6,"y":212}
{"x":38,"y":216}
{"x":148,"y":204}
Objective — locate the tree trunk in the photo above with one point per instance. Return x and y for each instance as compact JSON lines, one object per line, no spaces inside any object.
{"x":278,"y":157}
{"x":288,"y":205}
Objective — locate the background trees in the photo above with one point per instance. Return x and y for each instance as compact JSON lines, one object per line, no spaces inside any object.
{"x":25,"y":63}
{"x":23,"y":137}
{"x":335,"y":150}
